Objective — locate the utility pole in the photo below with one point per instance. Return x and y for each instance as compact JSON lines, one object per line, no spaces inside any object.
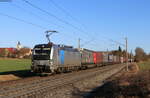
{"x":126,"y":39}
{"x":79,"y":43}
{"x":107,"y":54}
{"x":131,"y":56}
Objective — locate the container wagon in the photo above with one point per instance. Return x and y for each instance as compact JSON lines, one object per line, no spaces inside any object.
{"x":105,"y":58}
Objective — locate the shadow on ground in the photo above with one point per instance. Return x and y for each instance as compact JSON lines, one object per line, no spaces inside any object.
{"x":19,"y":73}
{"x":112,"y":90}
{"x":136,"y":86}
{"x":128,"y":85}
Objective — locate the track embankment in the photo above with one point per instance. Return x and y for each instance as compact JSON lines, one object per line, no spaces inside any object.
{"x":67,"y":85}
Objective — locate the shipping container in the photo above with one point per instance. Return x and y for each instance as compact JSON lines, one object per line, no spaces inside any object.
{"x":105,"y":57}
{"x":86,"y":56}
{"x":114,"y":59}
{"x":121,"y":60}
{"x":118,"y":59}
{"x":98,"y":57}
{"x":124,"y":59}
{"x":110,"y":58}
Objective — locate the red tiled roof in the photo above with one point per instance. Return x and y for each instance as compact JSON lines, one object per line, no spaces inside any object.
{"x":9,"y":49}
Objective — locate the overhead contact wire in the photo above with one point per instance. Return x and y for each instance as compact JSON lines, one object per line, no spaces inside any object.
{"x":21,"y":20}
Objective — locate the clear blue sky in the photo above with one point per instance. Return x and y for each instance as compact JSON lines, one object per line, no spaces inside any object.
{"x":100,"y":20}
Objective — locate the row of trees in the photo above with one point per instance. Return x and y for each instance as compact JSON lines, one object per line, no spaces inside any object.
{"x":140,"y":54}
{"x":21,"y":53}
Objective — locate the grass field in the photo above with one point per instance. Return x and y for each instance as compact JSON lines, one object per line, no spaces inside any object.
{"x":145,"y":65}
{"x":9,"y":65}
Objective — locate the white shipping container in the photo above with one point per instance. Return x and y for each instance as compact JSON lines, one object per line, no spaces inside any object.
{"x":105,"y":57}
{"x":114,"y":58}
{"x":121,"y":59}
{"x":110,"y":58}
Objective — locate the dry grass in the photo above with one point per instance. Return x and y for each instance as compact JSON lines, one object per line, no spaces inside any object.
{"x":144,"y":65}
{"x":133,"y":84}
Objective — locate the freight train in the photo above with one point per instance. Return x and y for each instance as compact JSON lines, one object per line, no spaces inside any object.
{"x":52,"y":58}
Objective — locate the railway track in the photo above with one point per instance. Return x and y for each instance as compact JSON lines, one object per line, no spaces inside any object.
{"x":37,"y":87}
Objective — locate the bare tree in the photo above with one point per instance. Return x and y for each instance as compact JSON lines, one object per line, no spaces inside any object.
{"x":140,"y":54}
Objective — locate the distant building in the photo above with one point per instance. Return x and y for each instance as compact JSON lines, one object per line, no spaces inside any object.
{"x":11,"y":50}
{"x":7,"y":52}
{"x":19,"y":51}
{"x":18,"y":45}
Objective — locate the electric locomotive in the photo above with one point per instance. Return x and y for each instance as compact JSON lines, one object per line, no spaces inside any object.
{"x":50,"y":58}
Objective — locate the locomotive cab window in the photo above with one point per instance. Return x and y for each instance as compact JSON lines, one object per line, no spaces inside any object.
{"x":41,"y":53}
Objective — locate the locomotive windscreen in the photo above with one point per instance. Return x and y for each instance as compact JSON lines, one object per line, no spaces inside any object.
{"x":41,"y":53}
